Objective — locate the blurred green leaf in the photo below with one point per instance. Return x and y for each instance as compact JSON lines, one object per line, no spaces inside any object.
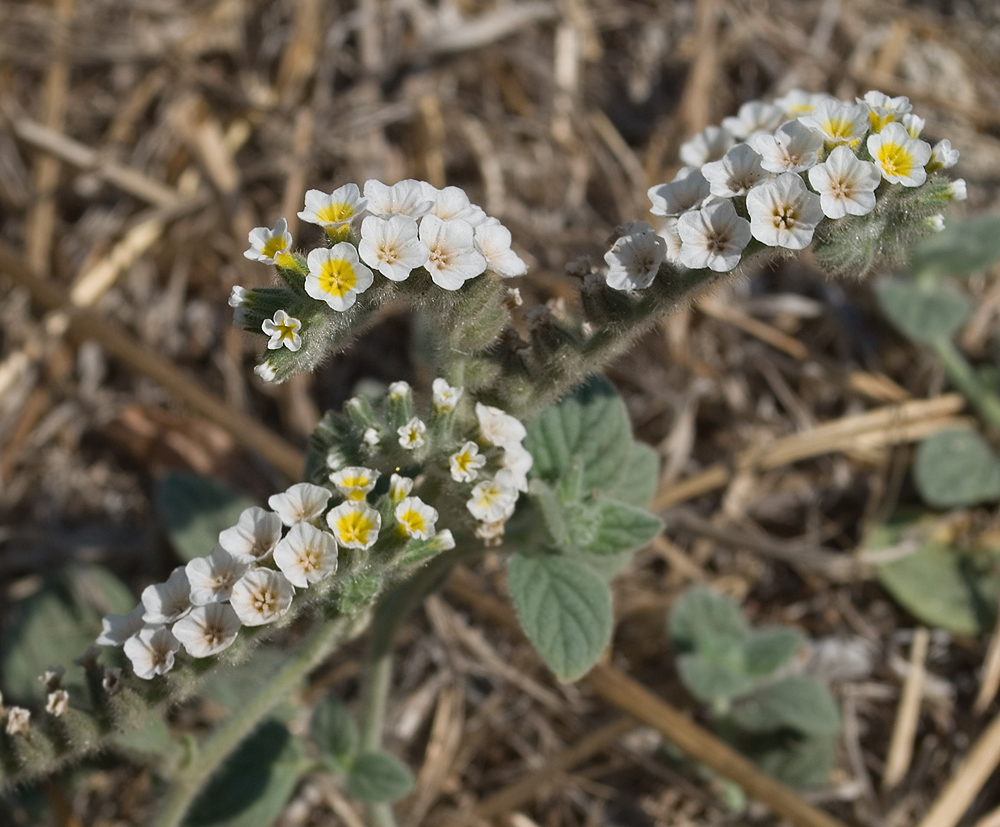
{"x":801,"y":762}
{"x":333,"y":731}
{"x":708,"y":623}
{"x":922,"y":312}
{"x":794,"y":702}
{"x":233,"y":686}
{"x":194,"y":510}
{"x":564,"y":608}
{"x":962,"y":249}
{"x":956,"y":468}
{"x":710,"y":680}
{"x":765,"y":651}
{"x":376,"y":776}
{"x":57,"y":624}
{"x":640,"y":478}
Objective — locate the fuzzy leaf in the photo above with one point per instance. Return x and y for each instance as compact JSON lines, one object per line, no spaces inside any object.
{"x":194,"y":510}
{"x":552,"y":510}
{"x":767,"y":650}
{"x":333,"y":731}
{"x":255,"y":782}
{"x":564,"y":608}
{"x":710,"y":680}
{"x":795,"y":702}
{"x":956,"y":468}
{"x":802,"y":763}
{"x":57,"y":624}
{"x":591,"y":424}
{"x":962,"y":249}
{"x":706,"y":622}
{"x":606,"y":527}
{"x":638,"y":482}
{"x":922,"y":312}
{"x":233,"y":686}
{"x":376,"y":776}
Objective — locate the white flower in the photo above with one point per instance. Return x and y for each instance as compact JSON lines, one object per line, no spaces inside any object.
{"x":306,"y":555}
{"x":17,"y":720}
{"x":415,"y":518}
{"x":270,"y":246}
{"x":302,"y":503}
{"x":672,"y":238}
{"x":942,"y":157}
{"x":754,"y":116}
{"x":391,"y":246}
{"x":492,"y":239}
{"x":839,"y":123}
{"x":152,"y":651}
{"x":635,"y":258}
{"x":261,"y":596}
{"x":411,"y":435}
{"x":796,"y":102}
{"x":169,"y":601}
{"x":254,"y":536}
{"x":451,"y":203}
{"x":208,"y":630}
{"x":399,"y":488}
{"x":914,"y":124}
{"x":57,"y":702}
{"x":335,"y":209}
{"x":884,"y":110}
{"x":713,"y":237}
{"x":355,"y":524}
{"x":793,"y":148}
{"x":354,"y":482}
{"x":735,"y":174}
{"x":518,"y":460}
{"x":498,"y":427}
{"x":445,"y":540}
{"x":706,"y":146}
{"x":116,"y":629}
{"x":686,"y":192}
{"x":465,"y":463}
{"x":403,"y":198}
{"x":336,"y":275}
{"x":493,"y":500}
{"x":397,"y":390}
{"x":283,"y":330}
{"x":783,"y":213}
{"x":454,"y":258}
{"x":935,"y":222}
{"x":238,"y":296}
{"x":900,"y":157}
{"x":957,"y":190}
{"x":371,"y":437}
{"x":265,"y":372}
{"x":846,"y":185}
{"x":445,"y":396}
{"x":212,"y":577}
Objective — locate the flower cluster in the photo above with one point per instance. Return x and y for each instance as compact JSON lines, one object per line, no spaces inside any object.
{"x":251,"y":576}
{"x":771,"y":175}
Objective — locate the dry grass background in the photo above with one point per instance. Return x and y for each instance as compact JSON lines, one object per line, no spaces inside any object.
{"x":141,"y":141}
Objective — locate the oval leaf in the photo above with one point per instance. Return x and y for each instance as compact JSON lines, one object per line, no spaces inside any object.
{"x":334,"y":732}
{"x":964,"y":248}
{"x":565,"y":610}
{"x":194,"y":510}
{"x":956,"y":468}
{"x":767,"y":650}
{"x":710,"y":681}
{"x":922,"y":312}
{"x":376,"y":776}
{"x":706,"y":622}
{"x":795,"y":702}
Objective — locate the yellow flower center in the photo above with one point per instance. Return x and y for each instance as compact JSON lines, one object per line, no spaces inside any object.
{"x":275,"y":244}
{"x":335,"y":213}
{"x":463,"y":461}
{"x":895,"y":160}
{"x":879,"y":120}
{"x":337,"y":277}
{"x":412,"y":522}
{"x":286,"y":330}
{"x":286,"y":260}
{"x":839,"y":129}
{"x":354,"y":527}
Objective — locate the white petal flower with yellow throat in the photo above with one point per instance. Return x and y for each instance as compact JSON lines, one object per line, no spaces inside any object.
{"x":302,"y":503}
{"x":334,"y":209}
{"x":402,"y":198}
{"x":283,"y":330}
{"x":942,"y":157}
{"x":355,"y":524}
{"x":453,"y":258}
{"x":415,"y":518}
{"x":152,"y":651}
{"x":169,"y":601}
{"x":466,"y":462}
{"x":411,"y":435}
{"x":391,"y":246}
{"x":498,"y":427}
{"x":452,"y":203}
{"x":793,"y":148}
{"x":783,"y":213}
{"x":261,"y":596}
{"x":635,"y":258}
{"x":399,"y":488}
{"x":839,"y":123}
{"x":846,"y":185}
{"x":518,"y":460}
{"x":354,"y":482}
{"x":208,"y":630}
{"x":735,"y":174}
{"x":493,"y":500}
{"x":272,"y":246}
{"x":713,"y":237}
{"x":306,"y":555}
{"x":796,"y":102}
{"x":754,"y":116}
{"x":686,"y":192}
{"x":492,"y":239}
{"x":212,"y":577}
{"x":337,"y":276}
{"x":445,"y":397}
{"x":254,"y":536}
{"x":900,"y":158}
{"x":884,"y":110}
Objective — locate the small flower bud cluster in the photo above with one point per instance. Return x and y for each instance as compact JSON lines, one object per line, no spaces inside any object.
{"x":394,"y":230}
{"x":773,"y":174}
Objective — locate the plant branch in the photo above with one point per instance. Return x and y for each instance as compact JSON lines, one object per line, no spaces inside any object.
{"x":964,"y":378}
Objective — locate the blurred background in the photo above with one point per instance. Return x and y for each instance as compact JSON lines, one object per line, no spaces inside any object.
{"x":141,"y":141}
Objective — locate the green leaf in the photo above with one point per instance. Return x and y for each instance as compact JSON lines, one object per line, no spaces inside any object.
{"x":620,"y":527}
{"x":794,"y":702}
{"x":590,"y":424}
{"x":333,"y":731}
{"x":802,"y":763}
{"x":767,"y":650}
{"x":922,"y":312}
{"x":962,"y":249}
{"x":564,"y":608}
{"x":57,"y":624}
{"x":706,"y":622}
{"x":552,"y":510}
{"x":255,"y":783}
{"x":233,"y":686}
{"x":710,"y":680}
{"x":640,"y":478}
{"x":194,"y":510}
{"x":956,"y":468}
{"x":151,"y":740}
{"x":376,"y":776}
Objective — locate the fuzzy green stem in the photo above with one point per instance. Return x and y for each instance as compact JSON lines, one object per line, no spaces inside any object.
{"x":326,"y":635}
{"x":964,"y":378}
